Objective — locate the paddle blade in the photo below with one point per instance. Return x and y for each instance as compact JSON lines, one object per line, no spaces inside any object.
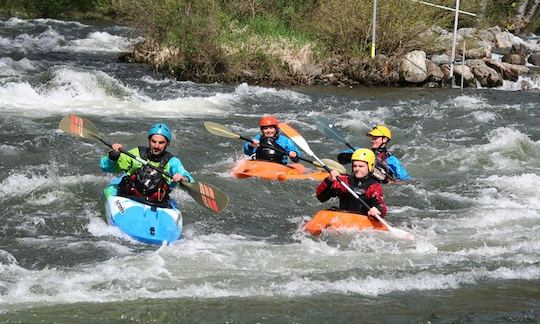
{"x":220,"y":130}
{"x":296,"y":138}
{"x":332,"y":165}
{"x":401,"y":234}
{"x":79,"y":126}
{"x":328,"y":129}
{"x":207,"y":195}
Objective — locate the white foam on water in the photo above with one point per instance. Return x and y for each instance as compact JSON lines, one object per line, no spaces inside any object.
{"x":511,"y":192}
{"x":94,"y":92}
{"x":27,"y":183}
{"x":10,"y":67}
{"x":523,"y":82}
{"x":98,"y":227}
{"x":52,"y":40}
{"x":508,"y":149}
{"x":48,"y":40}
{"x":469,"y":102}
{"x":100,"y":42}
{"x":484,"y":116}
{"x":218,"y":265}
{"x":14,"y":21}
{"x":246,"y":91}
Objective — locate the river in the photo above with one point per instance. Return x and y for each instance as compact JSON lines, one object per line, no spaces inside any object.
{"x":473,"y":204}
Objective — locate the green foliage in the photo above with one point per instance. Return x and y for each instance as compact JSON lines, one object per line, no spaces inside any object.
{"x":348,"y":30}
{"x":56,"y":8}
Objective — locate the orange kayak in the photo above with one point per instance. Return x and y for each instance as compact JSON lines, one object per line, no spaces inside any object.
{"x":334,"y":220}
{"x":276,"y":171}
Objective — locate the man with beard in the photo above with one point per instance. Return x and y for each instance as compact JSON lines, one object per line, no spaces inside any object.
{"x":142,"y":181}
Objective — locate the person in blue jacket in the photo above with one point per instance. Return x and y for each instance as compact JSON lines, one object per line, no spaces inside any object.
{"x":388,"y":167}
{"x":380,"y":136}
{"x":141,"y":180}
{"x":270,"y":145}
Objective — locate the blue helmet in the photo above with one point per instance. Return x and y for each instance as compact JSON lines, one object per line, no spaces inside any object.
{"x":160,"y":129}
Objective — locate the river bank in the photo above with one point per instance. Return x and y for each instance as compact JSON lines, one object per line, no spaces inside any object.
{"x":491,"y":57}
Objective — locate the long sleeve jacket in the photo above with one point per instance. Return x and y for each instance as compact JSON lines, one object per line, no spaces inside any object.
{"x":368,"y":189}
{"x":129,"y":166}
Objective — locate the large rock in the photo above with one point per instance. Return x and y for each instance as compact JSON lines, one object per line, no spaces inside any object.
{"x":413,"y":67}
{"x":513,"y":59}
{"x":534,"y":59}
{"x":508,"y":71}
{"x":434,"y":72}
{"x":505,"y":40}
{"x":465,"y":71}
{"x":478,"y":53}
{"x":440,"y":59}
{"x":487,"y":76}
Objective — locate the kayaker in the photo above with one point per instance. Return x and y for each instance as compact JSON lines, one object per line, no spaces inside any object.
{"x":143,"y":181}
{"x":388,"y":167}
{"x":360,"y":181}
{"x":270,"y":145}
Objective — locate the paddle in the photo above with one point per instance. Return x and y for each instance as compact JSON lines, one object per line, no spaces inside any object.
{"x":224,"y":131}
{"x":204,"y":194}
{"x":327,"y":128}
{"x":301,"y":142}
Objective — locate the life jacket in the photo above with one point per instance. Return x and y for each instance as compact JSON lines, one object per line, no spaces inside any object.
{"x":382,"y":172}
{"x":348,"y":202}
{"x":268,"y":150}
{"x":147,"y":182}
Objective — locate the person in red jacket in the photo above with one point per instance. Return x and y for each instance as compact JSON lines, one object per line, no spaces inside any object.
{"x":360,"y":181}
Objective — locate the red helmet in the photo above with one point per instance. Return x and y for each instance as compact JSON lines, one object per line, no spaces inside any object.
{"x":268,"y":121}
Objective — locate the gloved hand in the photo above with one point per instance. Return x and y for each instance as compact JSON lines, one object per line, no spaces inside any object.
{"x":114,"y":155}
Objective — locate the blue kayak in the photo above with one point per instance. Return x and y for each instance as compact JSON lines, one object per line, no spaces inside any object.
{"x":143,"y":221}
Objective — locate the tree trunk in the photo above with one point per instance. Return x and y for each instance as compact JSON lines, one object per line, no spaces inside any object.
{"x":482,"y":7}
{"x":531,"y":11}
{"x":524,"y":14}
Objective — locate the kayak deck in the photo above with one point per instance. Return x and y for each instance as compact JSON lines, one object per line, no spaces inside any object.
{"x":276,"y":171}
{"x":151,"y":224}
{"x":336,"y":220}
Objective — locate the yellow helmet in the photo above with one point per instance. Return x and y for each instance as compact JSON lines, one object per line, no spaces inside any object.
{"x":365,"y":155}
{"x":380,"y":130}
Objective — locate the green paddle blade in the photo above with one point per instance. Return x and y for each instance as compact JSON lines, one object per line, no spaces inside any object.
{"x":220,"y":130}
{"x":207,"y":195}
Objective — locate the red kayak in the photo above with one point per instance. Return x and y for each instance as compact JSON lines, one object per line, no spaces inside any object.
{"x":276,"y":171}
{"x":334,"y":220}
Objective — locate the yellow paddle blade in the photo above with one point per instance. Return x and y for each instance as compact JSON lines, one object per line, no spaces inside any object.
{"x":220,"y":130}
{"x":332,"y":165}
{"x":79,"y":126}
